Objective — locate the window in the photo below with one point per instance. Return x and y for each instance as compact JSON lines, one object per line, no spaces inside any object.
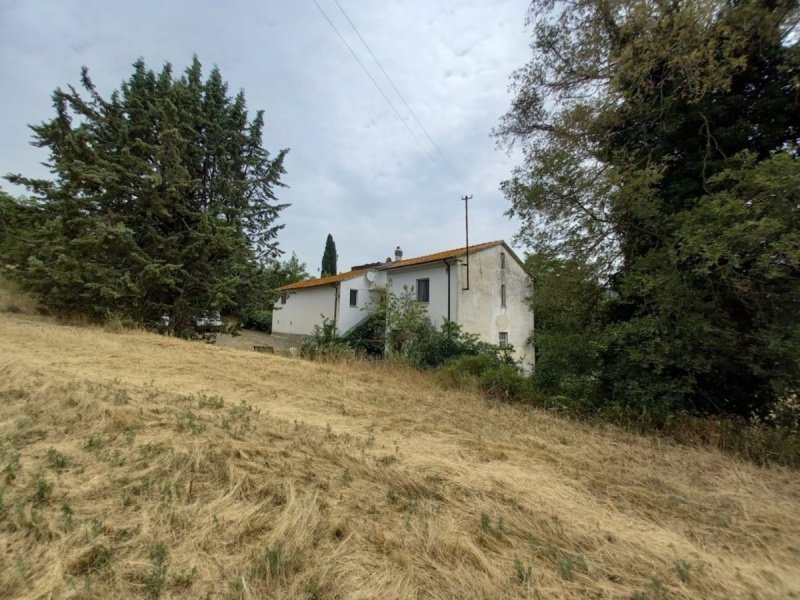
{"x":503,"y":295}
{"x":353,"y":297}
{"x":283,"y":298}
{"x":504,"y":338}
{"x":423,"y":290}
{"x":502,"y":260}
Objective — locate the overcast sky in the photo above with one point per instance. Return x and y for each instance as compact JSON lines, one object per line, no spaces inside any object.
{"x":354,"y":170}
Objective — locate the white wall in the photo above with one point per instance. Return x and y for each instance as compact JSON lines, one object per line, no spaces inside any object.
{"x":303,"y":309}
{"x":350,"y":316}
{"x":479,"y":308}
{"x":437,"y":275}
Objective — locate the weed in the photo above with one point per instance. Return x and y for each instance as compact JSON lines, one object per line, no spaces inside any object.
{"x":237,"y":586}
{"x":12,"y":468}
{"x":57,"y":460}
{"x":130,"y":435}
{"x":154,"y":582}
{"x":204,"y":401}
{"x":567,"y":565}
{"x":659,"y":591}
{"x":187,"y":420}
{"x":683,"y":568}
{"x":67,"y":512}
{"x":268,"y":564}
{"x":486,"y":523}
{"x":391,"y":496}
{"x":238,"y":422}
{"x":120,"y":397}
{"x":523,"y":572}
{"x":347,"y":478}
{"x":43,"y":488}
{"x":92,"y":443}
{"x":185,"y":578}
{"x":487,"y":527}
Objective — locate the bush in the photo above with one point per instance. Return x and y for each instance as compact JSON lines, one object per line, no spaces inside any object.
{"x":259,"y":319}
{"x":368,"y":337}
{"x":433,"y":348}
{"x":491,"y":374}
{"x":324,"y":344}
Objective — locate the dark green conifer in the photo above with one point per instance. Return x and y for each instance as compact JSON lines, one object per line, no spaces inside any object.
{"x":162,"y":200}
{"x":329,"y":257}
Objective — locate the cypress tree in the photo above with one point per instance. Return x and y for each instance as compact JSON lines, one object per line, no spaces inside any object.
{"x":329,"y":257}
{"x":162,"y":202}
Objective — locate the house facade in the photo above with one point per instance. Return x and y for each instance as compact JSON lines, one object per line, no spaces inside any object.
{"x":485,"y":291}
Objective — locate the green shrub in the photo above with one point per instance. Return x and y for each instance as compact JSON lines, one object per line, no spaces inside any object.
{"x":325,"y":344}
{"x":259,"y":320}
{"x":505,"y":382}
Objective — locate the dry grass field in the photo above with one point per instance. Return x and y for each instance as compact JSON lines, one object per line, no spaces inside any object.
{"x":133,"y":465}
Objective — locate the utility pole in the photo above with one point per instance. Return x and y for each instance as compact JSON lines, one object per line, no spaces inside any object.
{"x":466,"y":200}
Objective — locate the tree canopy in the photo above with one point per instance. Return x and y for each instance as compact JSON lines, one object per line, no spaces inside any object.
{"x":660,"y":144}
{"x":329,"y":257}
{"x":162,"y":201}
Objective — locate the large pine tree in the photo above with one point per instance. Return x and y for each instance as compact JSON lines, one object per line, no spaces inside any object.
{"x":162,"y":199}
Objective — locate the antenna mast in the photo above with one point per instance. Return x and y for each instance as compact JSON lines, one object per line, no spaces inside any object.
{"x":466,"y":200}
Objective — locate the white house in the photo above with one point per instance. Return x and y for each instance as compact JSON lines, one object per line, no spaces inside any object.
{"x":485,"y":290}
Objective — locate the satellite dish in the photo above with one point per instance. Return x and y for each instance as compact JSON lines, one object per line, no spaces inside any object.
{"x":370,"y":275}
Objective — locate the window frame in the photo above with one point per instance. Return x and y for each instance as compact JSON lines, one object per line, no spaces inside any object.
{"x":353,"y":297}
{"x":427,"y":281}
{"x":502,"y":339}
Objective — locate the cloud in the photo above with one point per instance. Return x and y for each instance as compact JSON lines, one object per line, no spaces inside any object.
{"x":353,"y":168}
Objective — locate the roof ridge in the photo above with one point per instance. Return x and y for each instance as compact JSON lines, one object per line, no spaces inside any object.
{"x":406,"y":262}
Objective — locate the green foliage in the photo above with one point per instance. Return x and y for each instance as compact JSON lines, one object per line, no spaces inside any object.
{"x":400,"y":324}
{"x":570,"y":308}
{"x":661,"y":162}
{"x":257,"y":313}
{"x":491,"y":373}
{"x":19,"y":219}
{"x":324,"y":343}
{"x":157,"y":576}
{"x":162,"y":203}
{"x":329,"y":258}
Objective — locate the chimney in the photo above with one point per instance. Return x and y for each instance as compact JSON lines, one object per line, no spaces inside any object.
{"x":398,"y":254}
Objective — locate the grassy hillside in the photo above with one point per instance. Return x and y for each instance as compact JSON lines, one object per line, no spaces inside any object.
{"x":134,"y":465}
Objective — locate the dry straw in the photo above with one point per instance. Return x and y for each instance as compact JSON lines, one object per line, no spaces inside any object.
{"x":135,"y":465}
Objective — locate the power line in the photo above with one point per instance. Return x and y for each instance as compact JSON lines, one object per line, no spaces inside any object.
{"x":375,"y":83}
{"x":394,"y":87}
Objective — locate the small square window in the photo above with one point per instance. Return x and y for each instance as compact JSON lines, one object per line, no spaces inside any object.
{"x":423,"y":290}
{"x":503,"y":338}
{"x":503,"y":295}
{"x":353,"y":297}
{"x":502,"y":260}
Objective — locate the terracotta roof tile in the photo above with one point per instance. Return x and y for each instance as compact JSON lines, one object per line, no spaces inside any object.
{"x":322,"y":280}
{"x":408,"y":262}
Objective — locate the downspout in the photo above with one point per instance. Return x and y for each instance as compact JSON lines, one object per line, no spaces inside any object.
{"x":447,"y":268}
{"x":336,"y":288}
